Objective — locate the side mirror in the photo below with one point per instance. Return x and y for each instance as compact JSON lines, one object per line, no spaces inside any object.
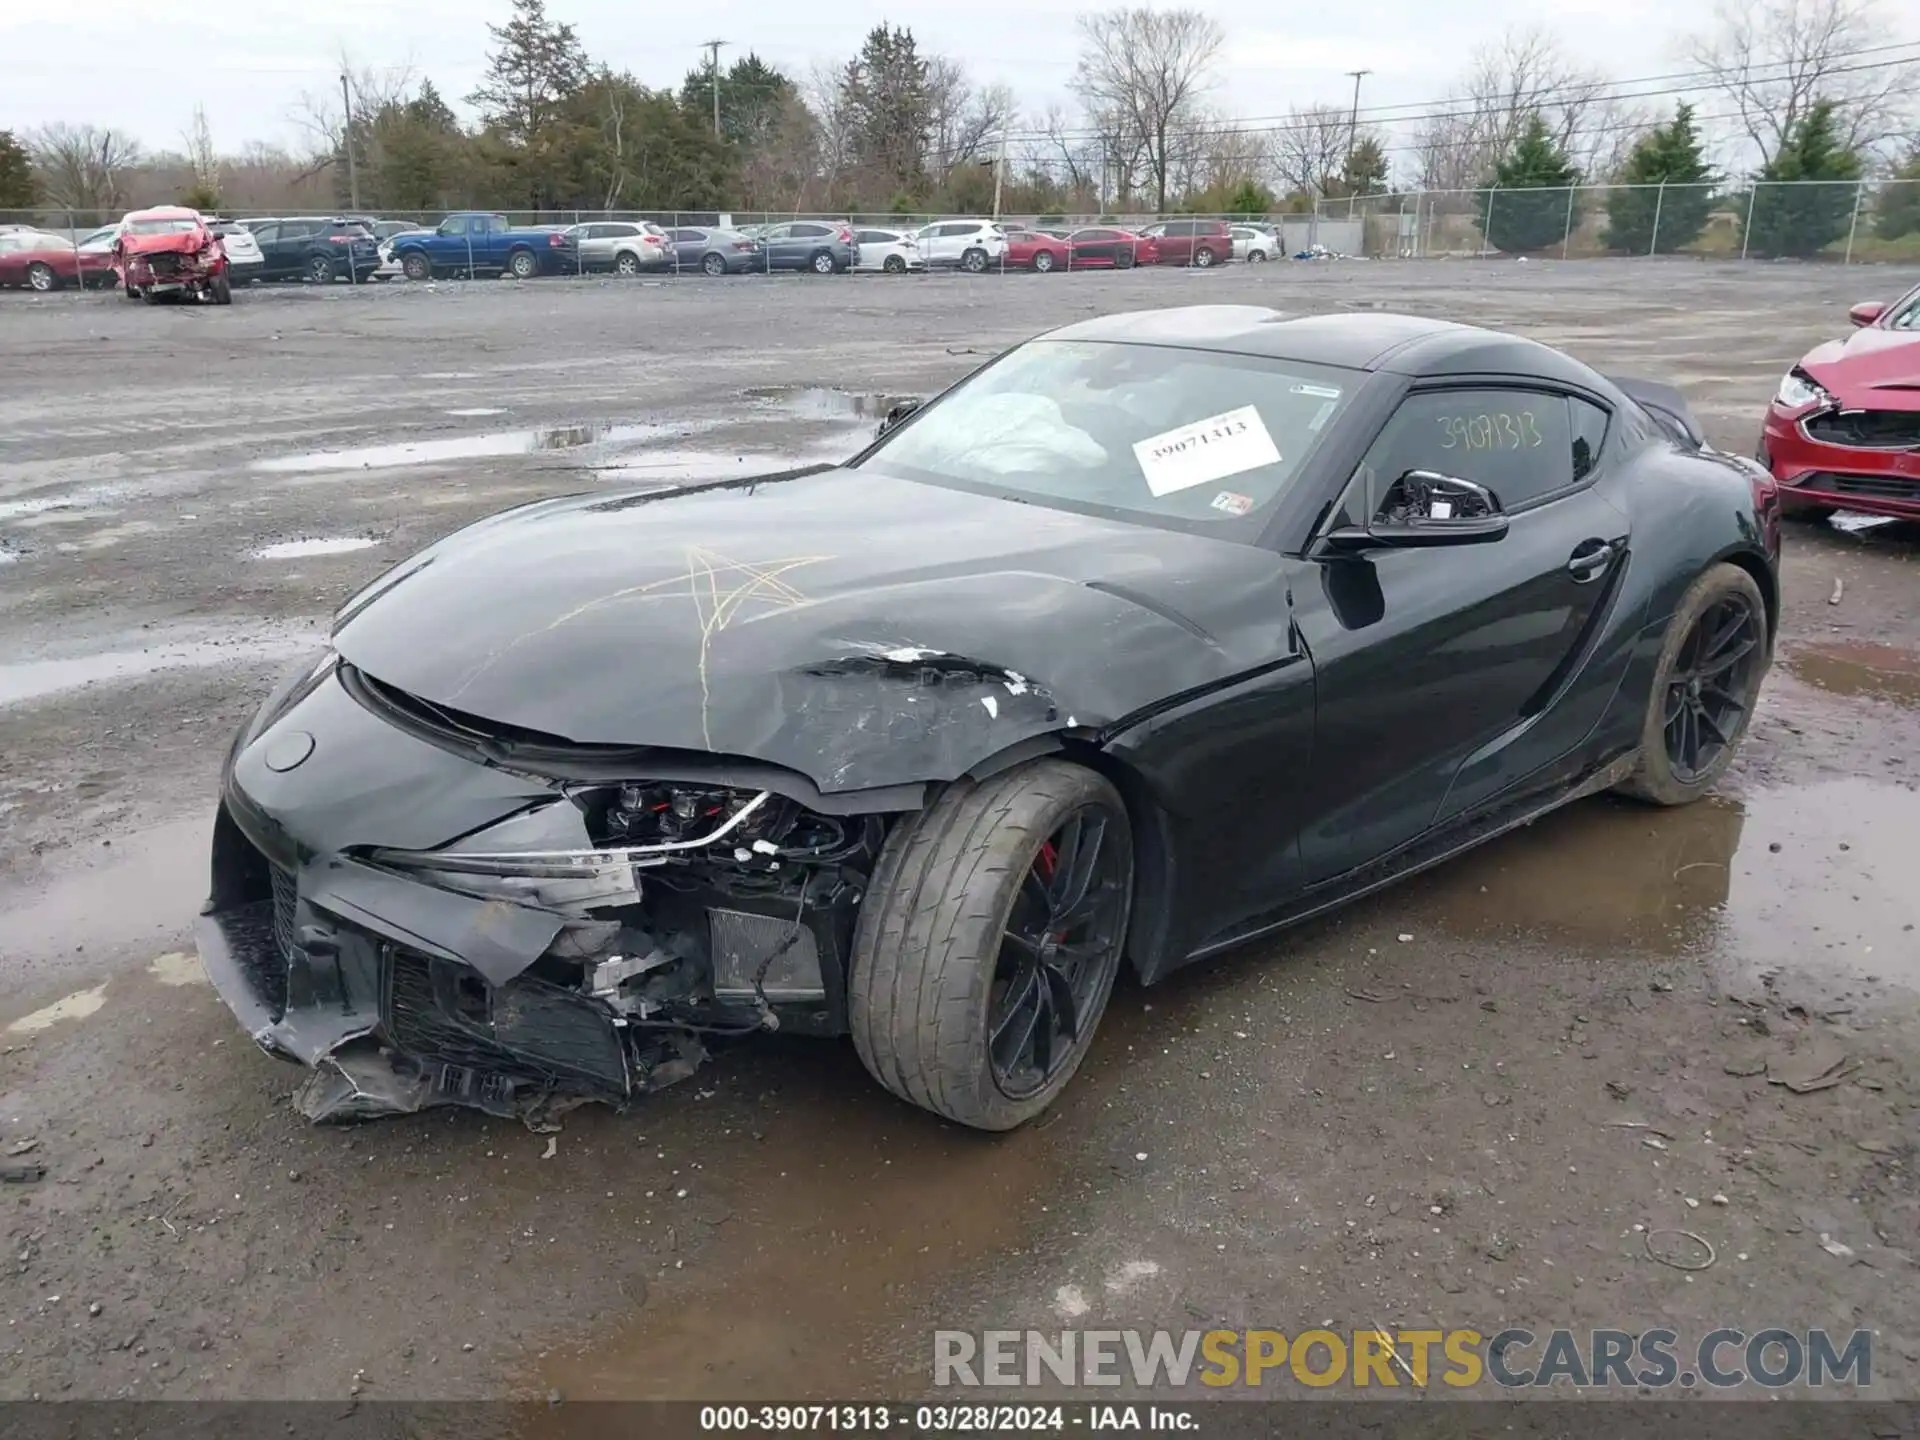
{"x":1866,"y":312}
{"x":1434,"y":510}
{"x":894,"y":416}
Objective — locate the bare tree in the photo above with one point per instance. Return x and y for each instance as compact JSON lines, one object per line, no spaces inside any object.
{"x":1310,"y":148}
{"x":1507,"y":82}
{"x":1146,"y":73}
{"x":1775,"y":58}
{"x":83,"y":167}
{"x":321,"y":118}
{"x":826,"y":98}
{"x":967,"y":118}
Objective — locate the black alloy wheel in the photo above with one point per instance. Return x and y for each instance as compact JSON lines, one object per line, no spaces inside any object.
{"x":320,"y":269}
{"x":1059,"y":952}
{"x":1711,"y":690}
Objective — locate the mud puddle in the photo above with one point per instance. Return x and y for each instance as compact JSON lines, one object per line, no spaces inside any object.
{"x":1859,"y":667}
{"x":24,"y":680}
{"x":819,"y":402}
{"x":1809,"y":885}
{"x":543,"y":440}
{"x":301,"y":549}
{"x":845,"y":1206}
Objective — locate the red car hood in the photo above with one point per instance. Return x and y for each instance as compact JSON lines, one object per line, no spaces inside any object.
{"x":183,"y":242}
{"x":1871,"y":369}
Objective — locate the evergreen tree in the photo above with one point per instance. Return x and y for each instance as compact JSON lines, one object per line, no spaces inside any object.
{"x":1365,"y":170}
{"x":1899,"y":208}
{"x":886,"y":96}
{"x":1667,"y":156}
{"x":1803,"y":219}
{"x":753,"y":99}
{"x":1526,"y":205}
{"x":536,"y":69}
{"x":19,"y":186}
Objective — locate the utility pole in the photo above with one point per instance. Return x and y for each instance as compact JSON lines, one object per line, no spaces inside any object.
{"x":713,"y":64}
{"x":346,"y":136}
{"x":999,"y":170}
{"x":1353,"y":123}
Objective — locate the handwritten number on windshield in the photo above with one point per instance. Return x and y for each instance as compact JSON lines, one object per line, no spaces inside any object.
{"x":1491,"y":430}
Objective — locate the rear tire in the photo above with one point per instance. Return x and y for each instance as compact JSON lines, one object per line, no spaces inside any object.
{"x":1203,"y":258}
{"x":715,"y":264}
{"x":522,"y":266}
{"x":974,"y":261}
{"x":320,"y":269}
{"x":939,"y":971}
{"x":1705,"y":684}
{"x":821,"y":262}
{"x":626,"y":263}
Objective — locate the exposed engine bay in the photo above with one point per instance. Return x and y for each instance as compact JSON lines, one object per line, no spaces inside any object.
{"x":668,"y":917}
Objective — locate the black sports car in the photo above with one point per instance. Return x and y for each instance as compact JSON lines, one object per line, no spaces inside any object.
{"x":1156,"y":634}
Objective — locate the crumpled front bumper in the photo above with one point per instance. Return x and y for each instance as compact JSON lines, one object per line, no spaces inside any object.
{"x":398,"y":994}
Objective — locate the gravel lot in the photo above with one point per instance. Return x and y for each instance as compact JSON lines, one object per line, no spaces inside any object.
{"x":1435,"y":1107}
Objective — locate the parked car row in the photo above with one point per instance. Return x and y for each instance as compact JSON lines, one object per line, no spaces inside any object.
{"x":361,"y":248}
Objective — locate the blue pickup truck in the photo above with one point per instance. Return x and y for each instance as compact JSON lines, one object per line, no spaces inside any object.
{"x":475,"y":242}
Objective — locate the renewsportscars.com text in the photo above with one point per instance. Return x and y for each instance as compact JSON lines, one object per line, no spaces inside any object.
{"x":1772,"y":1358}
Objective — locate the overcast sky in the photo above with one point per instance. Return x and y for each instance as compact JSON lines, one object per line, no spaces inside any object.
{"x":247,"y":64}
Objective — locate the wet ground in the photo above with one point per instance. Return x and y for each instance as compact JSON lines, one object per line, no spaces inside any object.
{"x":1481,"y":1098}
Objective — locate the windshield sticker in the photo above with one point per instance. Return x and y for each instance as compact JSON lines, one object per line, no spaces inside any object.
{"x":1327,"y":407}
{"x":1210,"y":449}
{"x":1233,"y":502}
{"x":1319,"y":392}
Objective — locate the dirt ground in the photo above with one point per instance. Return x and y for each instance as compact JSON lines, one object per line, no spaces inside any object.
{"x":1468,"y":1101}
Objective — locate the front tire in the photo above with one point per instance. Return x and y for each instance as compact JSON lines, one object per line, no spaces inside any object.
{"x":416,"y":267}
{"x":989,"y":941}
{"x":894,"y":265}
{"x":1042,"y":261}
{"x":1256,"y":257}
{"x":222,"y":290}
{"x":40,"y":277}
{"x":1705,"y":684}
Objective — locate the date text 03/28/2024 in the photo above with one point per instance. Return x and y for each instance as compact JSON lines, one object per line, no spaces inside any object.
{"x":941,"y":1419}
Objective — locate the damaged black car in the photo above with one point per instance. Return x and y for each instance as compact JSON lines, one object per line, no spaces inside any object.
{"x":1151,"y":637}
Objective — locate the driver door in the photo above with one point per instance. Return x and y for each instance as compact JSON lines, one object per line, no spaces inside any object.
{"x":1433,"y":663}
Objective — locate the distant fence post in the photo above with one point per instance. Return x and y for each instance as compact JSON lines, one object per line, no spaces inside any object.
{"x":1566,"y":241}
{"x":1859,"y":194}
{"x":1659,"y":202}
{"x":1486,"y":225}
{"x":1746,"y":230}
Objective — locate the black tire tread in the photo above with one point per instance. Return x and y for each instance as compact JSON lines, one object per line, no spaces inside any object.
{"x":927,"y":935}
{"x":1652,"y":780}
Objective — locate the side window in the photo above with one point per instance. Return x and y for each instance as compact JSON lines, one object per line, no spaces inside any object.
{"x":1517,"y":443}
{"x":957,"y":230}
{"x":453,"y":225}
{"x":266,"y":234}
{"x":809,"y":231}
{"x":776,"y":232}
{"x":1589,"y":434}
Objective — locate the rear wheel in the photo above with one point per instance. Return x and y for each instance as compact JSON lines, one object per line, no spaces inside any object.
{"x":974,"y":261}
{"x":989,"y":941}
{"x":522,"y":266}
{"x":1704,"y":687}
{"x":1203,"y":257}
{"x":320,"y":269}
{"x":627,"y":263}
{"x":41,"y":277}
{"x":714,"y":264}
{"x":821,"y":262}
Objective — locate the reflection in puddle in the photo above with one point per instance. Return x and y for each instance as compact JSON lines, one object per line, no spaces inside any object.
{"x":817,"y":402}
{"x":1859,"y":667}
{"x":35,"y":679}
{"x":846,"y":1205}
{"x":1808,"y":880}
{"x":299,"y":549}
{"x":477,"y":447}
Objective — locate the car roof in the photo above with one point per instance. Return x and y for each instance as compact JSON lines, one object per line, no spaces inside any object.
{"x":163,"y":212}
{"x":1377,"y":340}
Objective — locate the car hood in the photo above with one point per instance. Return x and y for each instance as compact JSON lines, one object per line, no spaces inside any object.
{"x":859,"y":629}
{"x":179,"y":242}
{"x":1872,"y":368}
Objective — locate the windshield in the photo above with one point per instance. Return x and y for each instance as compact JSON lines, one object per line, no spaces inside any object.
{"x":162,"y":227}
{"x":1191,"y":439}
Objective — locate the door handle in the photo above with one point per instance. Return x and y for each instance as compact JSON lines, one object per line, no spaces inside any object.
{"x":1590,"y":559}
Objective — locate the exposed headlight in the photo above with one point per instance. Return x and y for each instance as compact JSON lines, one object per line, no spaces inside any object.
{"x":1797,"y":388}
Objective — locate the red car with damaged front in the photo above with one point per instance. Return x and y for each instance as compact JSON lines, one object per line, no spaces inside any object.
{"x":1843,"y":431}
{"x":171,"y":251}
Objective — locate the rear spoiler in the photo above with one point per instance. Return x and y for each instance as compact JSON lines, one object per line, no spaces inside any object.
{"x":1667,"y":405}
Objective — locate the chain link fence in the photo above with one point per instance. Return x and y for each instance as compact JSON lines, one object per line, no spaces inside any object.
{"x":1868,"y":221}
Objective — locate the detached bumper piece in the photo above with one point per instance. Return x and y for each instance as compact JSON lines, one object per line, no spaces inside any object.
{"x":391,"y":1028}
